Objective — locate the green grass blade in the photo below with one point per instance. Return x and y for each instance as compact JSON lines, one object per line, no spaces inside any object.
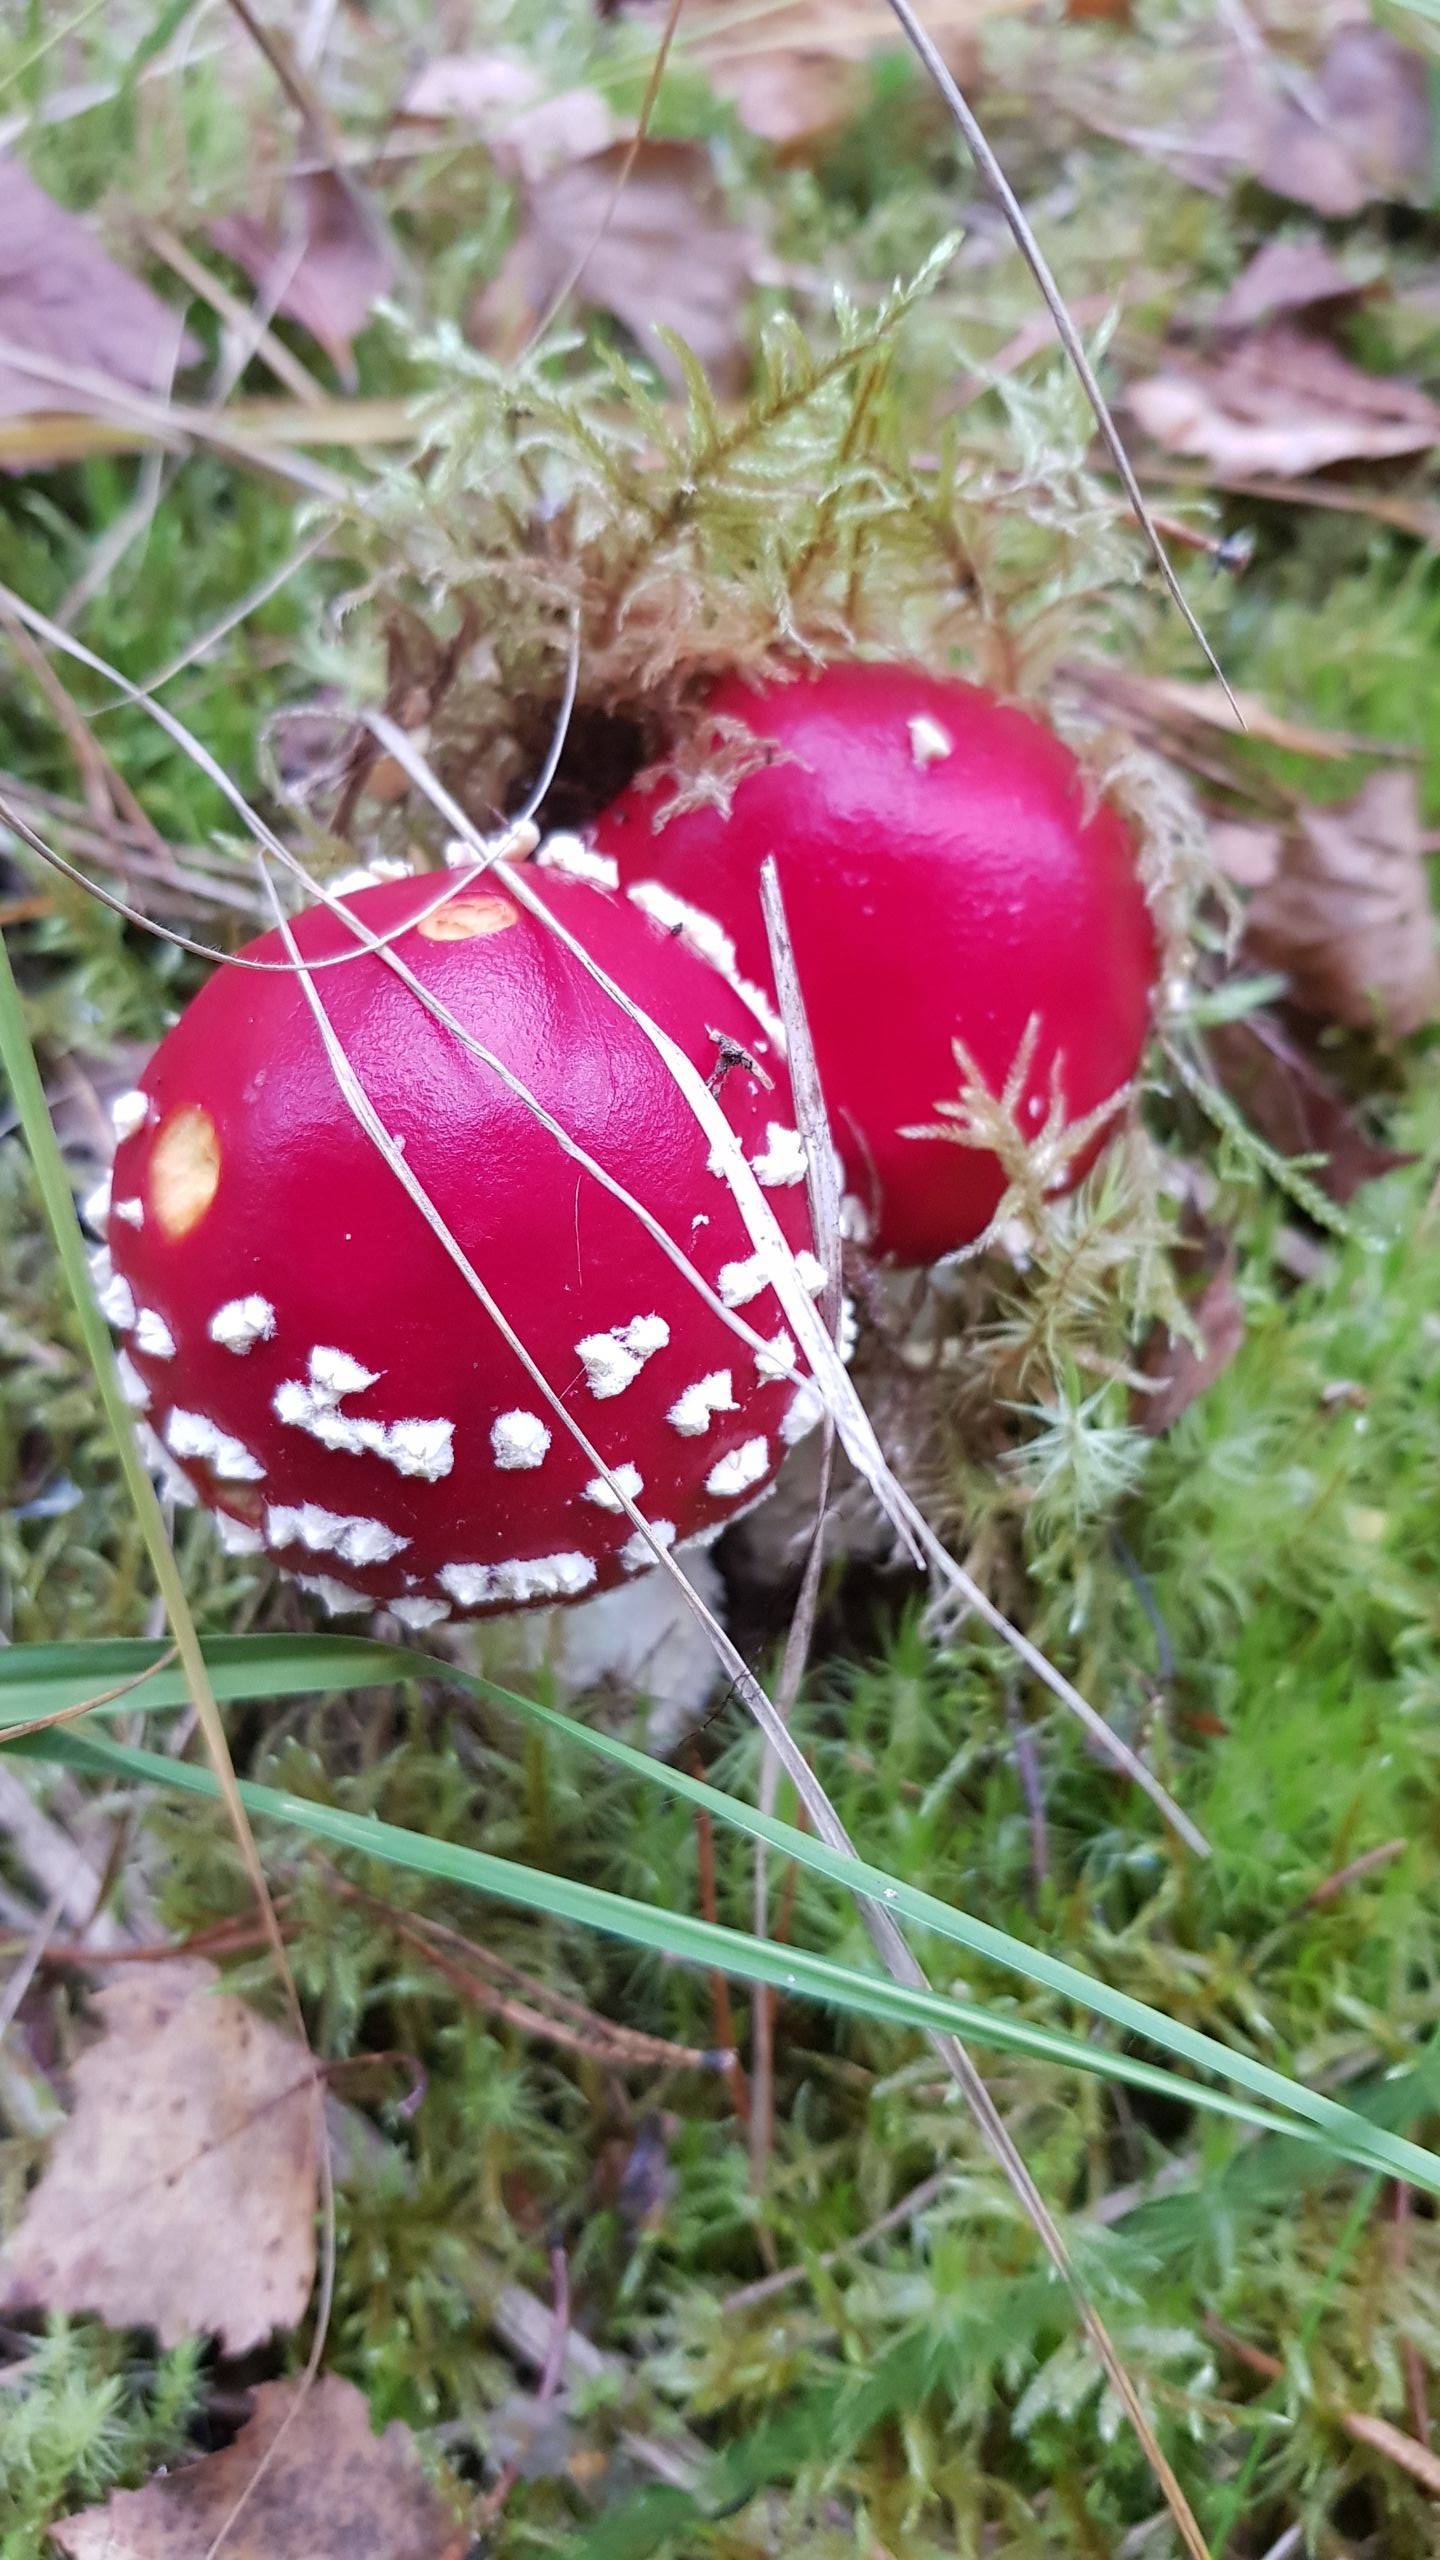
{"x":47,"y":1679}
{"x":1341,"y":2128}
{"x":703,"y":1943}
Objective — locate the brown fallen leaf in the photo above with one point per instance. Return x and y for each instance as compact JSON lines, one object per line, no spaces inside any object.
{"x":1297,"y":1108}
{"x":503,"y":101}
{"x":795,"y":71}
{"x":1182,"y":1369}
{"x":333,"y":2491}
{"x":324,"y":263}
{"x":1355,"y":131}
{"x":180,"y":2195}
{"x":1246,"y":852}
{"x":1285,"y":276}
{"x":670,"y":257}
{"x":795,"y":99}
{"x":1282,"y":402}
{"x":1347,"y":914}
{"x":478,"y":89}
{"x":64,"y":299}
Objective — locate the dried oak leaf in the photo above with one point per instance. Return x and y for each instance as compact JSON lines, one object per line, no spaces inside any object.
{"x":64,"y":299}
{"x":325,"y":262}
{"x":478,"y":89}
{"x":1182,"y":1368}
{"x":1282,"y":402}
{"x":1284,"y":276}
{"x":1354,"y":132}
{"x":334,"y":2491}
{"x":502,"y":100}
{"x":1295,"y":1106}
{"x":670,"y":256}
{"x":1347,"y":914}
{"x":180,"y":2194}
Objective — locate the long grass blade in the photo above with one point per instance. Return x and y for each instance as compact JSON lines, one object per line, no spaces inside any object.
{"x":245,"y":1667}
{"x":686,"y":1939}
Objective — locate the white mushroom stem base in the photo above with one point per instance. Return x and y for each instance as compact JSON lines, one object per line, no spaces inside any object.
{"x":642,"y":1636}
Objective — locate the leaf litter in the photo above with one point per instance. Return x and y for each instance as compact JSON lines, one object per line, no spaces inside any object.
{"x":322,"y":260}
{"x":1342,"y":906}
{"x":1357,"y":130}
{"x":180,"y":2195}
{"x":64,"y":299}
{"x":1261,"y":876}
{"x":671,"y":256}
{"x":330,"y":2489}
{"x":1285,"y":402}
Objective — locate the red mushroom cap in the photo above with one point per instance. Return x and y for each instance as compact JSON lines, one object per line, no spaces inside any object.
{"x":947,"y":873}
{"x":309,"y":1352}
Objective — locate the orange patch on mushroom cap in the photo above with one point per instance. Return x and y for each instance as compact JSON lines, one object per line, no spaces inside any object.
{"x":465,"y":919}
{"x":184,"y":1170}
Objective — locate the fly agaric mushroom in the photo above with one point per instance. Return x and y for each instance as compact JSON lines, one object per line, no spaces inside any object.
{"x":948,"y":874}
{"x":307,"y":1349}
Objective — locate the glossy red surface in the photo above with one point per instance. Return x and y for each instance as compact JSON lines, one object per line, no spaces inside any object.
{"x":930,"y":896}
{"x":308,"y":1218}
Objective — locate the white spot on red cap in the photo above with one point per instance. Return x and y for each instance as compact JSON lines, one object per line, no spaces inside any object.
{"x":339,"y":1597}
{"x":132,"y":1385}
{"x":606,"y":1491}
{"x":349,"y":1535}
{"x":95,"y":1207}
{"x":812,"y":1272}
{"x":237,"y":1537}
{"x":638,"y":1552}
{"x":615,"y":1359}
{"x":129,"y":1112}
{"x":929,"y":743}
{"x":739,"y":1282}
{"x":707,"y":938}
{"x":130,"y":1212}
{"x":242,"y":1322}
{"x":518,"y":1579}
{"x":158,"y":1459}
{"x":153,"y":1335}
{"x":334,"y":1374}
{"x":576,"y":861}
{"x":519,"y":1439}
{"x":739,"y":1468}
{"x":693,"y":1412}
{"x":194,"y":1435}
{"x":783,"y":1159}
{"x":419,"y":1612}
{"x":801,"y":1415}
{"x":413,"y":1447}
{"x":115,"y":1295}
{"x":777,"y":1357}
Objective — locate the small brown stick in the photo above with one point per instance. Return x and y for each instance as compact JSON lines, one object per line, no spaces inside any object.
{"x":1382,"y":1856}
{"x":492,"y":2505}
{"x":721,"y":2005}
{"x":580,"y":2030}
{"x":285,"y":366}
{"x":1390,"y":2442}
{"x":87,"y":1706}
{"x":765,"y":2288}
{"x":108,"y":795}
{"x":1416,"y":2391}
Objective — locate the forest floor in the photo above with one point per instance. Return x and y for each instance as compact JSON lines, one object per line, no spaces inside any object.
{"x":607,"y":2297}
